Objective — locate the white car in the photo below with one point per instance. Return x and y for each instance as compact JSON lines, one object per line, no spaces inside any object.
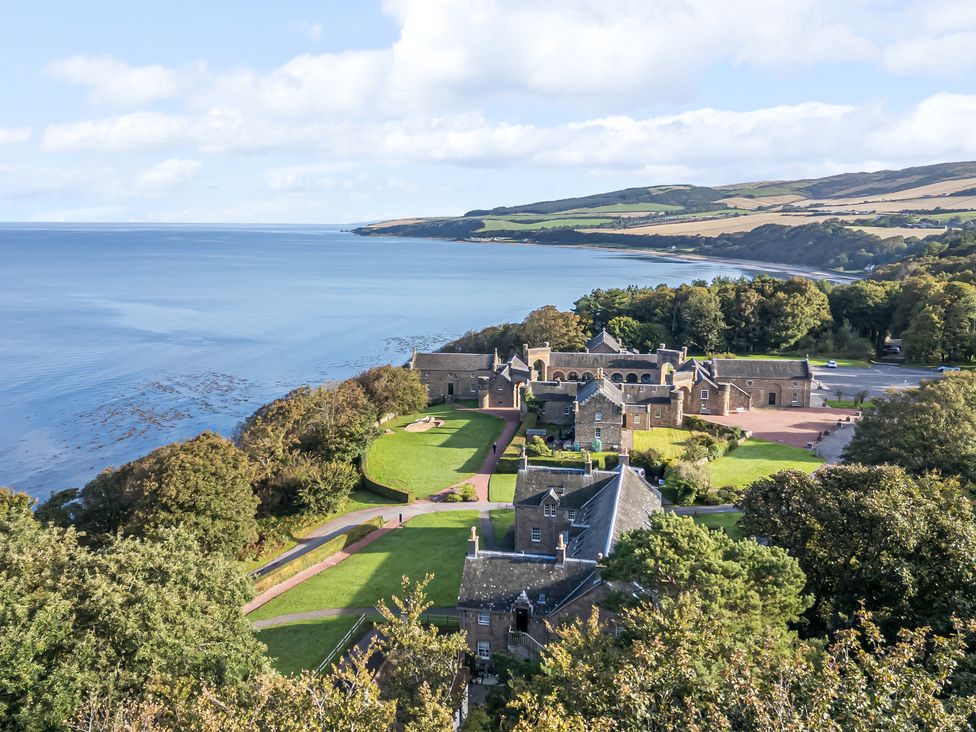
{"x":831,"y":364}
{"x":943,"y":369}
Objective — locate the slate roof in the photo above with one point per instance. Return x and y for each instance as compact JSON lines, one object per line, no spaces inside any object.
{"x":453,"y":361}
{"x":494,"y":580}
{"x":568,"y":360}
{"x":604,"y":339}
{"x":519,"y":366}
{"x":624,"y":503}
{"x":747,"y":368}
{"x":599,"y":386}
{"x":646,"y":393}
{"x":573,"y":486}
{"x":554,"y":391}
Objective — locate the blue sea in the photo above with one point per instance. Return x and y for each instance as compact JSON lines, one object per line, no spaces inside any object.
{"x":116,"y":339}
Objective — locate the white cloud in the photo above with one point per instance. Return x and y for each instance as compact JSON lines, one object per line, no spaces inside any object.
{"x":312,"y":30}
{"x":136,"y":131}
{"x":115,"y":83}
{"x":168,"y":174}
{"x":14,"y":135}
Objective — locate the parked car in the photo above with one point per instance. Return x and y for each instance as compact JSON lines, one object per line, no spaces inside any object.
{"x":943,"y":369}
{"x":831,"y":364}
{"x":892,"y":349}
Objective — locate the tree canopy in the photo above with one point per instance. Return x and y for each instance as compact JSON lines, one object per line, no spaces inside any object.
{"x":929,"y":428}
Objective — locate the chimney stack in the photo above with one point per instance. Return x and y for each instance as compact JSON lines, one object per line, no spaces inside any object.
{"x":523,"y":459}
{"x":473,"y":543}
{"x":561,"y":550}
{"x":588,"y":464}
{"x":623,"y":459}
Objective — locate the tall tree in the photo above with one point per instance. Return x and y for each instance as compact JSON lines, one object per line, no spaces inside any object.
{"x":701,"y":324}
{"x":393,"y":390}
{"x":202,"y":485}
{"x":903,"y":547}
{"x":112,"y":621}
{"x":562,"y":330}
{"x":932,"y":427}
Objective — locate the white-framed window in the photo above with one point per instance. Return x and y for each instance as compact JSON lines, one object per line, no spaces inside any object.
{"x":796,"y":398}
{"x":473,"y":388}
{"x":567,"y":409}
{"x":571,"y":514}
{"x":704,"y":394}
{"x":549,"y":510}
{"x":657,"y":414}
{"x":636,"y":419}
{"x":484,"y":650}
{"x":536,"y":534}
{"x":484,"y":619}
{"x":598,"y":416}
{"x":598,"y":433}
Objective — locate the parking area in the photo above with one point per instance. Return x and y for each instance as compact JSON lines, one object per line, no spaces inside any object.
{"x":875,"y":380}
{"x":796,"y":427}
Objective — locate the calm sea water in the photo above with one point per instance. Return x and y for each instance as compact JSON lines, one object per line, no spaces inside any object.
{"x":117,"y":339}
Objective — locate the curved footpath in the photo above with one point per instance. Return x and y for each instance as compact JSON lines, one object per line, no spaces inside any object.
{"x":394,"y":516}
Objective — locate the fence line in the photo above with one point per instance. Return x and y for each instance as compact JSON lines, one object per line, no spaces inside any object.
{"x":341,"y":645}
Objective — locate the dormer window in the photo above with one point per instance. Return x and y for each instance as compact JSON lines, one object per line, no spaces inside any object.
{"x":549,"y":510}
{"x":571,"y":514}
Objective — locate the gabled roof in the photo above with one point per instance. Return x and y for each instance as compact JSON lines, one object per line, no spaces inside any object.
{"x":518,"y":365}
{"x":605,"y":340}
{"x":494,"y":581}
{"x":604,"y":387}
{"x":646,"y":393}
{"x":574,"y":487}
{"x":554,"y":391}
{"x":624,"y":503}
{"x":453,"y":361}
{"x":747,"y":368}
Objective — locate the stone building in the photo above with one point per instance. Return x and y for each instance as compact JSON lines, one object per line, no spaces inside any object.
{"x":566,"y":522}
{"x":486,"y":378}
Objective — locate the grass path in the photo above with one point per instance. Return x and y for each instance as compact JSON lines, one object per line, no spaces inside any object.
{"x":434,"y":543}
{"x":427,"y":462}
{"x":502,"y":487}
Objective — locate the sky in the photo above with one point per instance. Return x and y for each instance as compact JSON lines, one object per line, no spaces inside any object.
{"x":350,"y":111}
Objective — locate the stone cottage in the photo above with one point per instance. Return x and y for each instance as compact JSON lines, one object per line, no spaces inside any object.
{"x":566,"y":522}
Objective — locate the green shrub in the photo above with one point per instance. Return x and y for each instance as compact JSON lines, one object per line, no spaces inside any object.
{"x":694,"y":452}
{"x":467,"y":492}
{"x":537,"y":447}
{"x":650,"y":460}
{"x":452,"y":497}
{"x":687,"y":481}
{"x":317,"y":555}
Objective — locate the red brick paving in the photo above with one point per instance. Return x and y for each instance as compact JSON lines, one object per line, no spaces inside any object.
{"x":794,"y":426}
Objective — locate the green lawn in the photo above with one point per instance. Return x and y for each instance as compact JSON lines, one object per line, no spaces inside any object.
{"x":612,"y":207}
{"x":728,"y":522}
{"x":752,"y":460}
{"x":669,"y":442}
{"x":304,"y":645}
{"x":756,"y":459}
{"x":427,"y":462}
{"x":358,"y":499}
{"x":501,"y":487}
{"x":849,"y":404}
{"x":433,"y":542}
{"x":503,"y":523}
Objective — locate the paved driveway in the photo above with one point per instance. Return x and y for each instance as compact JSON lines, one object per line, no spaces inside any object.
{"x":876,"y":380}
{"x":793,"y":426}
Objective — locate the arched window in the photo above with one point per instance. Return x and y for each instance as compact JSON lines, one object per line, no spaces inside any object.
{"x":558,"y":376}
{"x":573,"y":376}
{"x":616,"y":378}
{"x":540,"y":367}
{"x":587,"y":376}
{"x":631,"y":378}
{"x":645,"y":378}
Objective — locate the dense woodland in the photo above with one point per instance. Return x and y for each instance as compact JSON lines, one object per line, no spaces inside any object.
{"x":929,"y":301}
{"x":120,"y":601}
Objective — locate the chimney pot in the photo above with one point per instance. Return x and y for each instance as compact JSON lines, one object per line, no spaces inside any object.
{"x":561,"y":550}
{"x":523,"y":459}
{"x":588,"y":464}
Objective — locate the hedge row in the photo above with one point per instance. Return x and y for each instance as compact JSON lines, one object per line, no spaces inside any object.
{"x":716,"y":430}
{"x":508,"y":462}
{"x":397,"y":494}
{"x":318,"y":554}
